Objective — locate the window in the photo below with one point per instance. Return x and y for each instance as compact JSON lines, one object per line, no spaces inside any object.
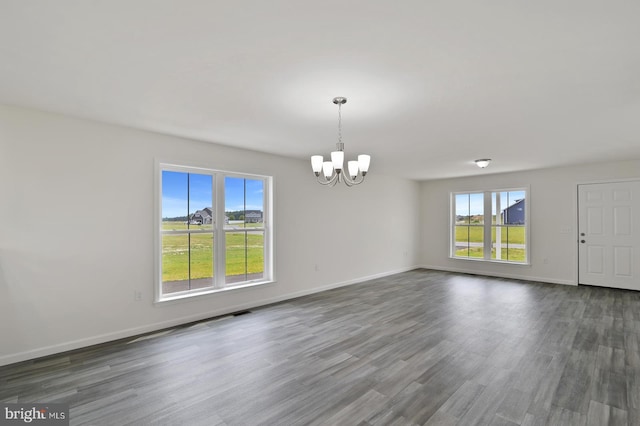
{"x":215,"y":231}
{"x":500,"y":236}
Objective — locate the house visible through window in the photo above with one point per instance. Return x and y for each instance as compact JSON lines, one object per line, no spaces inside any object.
{"x":490,"y":225}
{"x":214,"y":231}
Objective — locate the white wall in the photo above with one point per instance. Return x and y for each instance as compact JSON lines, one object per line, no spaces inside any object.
{"x":76,"y":231}
{"x":553,"y":206}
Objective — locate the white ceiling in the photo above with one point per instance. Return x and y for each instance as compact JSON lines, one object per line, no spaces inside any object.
{"x":431,"y":85}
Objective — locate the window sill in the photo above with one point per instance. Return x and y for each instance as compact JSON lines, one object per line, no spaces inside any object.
{"x":185,"y":296}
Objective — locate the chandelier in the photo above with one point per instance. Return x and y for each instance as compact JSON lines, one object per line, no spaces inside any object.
{"x":332,"y":172}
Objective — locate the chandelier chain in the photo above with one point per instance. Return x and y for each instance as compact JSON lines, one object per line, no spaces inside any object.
{"x":340,"y":123}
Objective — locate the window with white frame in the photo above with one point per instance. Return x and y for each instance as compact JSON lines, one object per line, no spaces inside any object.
{"x":215,"y":231}
{"x":490,"y":225}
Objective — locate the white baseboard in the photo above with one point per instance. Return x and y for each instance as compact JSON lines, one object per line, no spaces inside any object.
{"x":501,"y":275}
{"x":134,"y":331}
{"x":341,"y":284}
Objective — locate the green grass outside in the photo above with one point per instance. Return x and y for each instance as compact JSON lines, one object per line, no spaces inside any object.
{"x":512,"y":234}
{"x":475,"y":234}
{"x":515,"y":255}
{"x":241,"y":256}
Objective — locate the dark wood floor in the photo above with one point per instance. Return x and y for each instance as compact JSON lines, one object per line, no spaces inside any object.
{"x":422,"y":347}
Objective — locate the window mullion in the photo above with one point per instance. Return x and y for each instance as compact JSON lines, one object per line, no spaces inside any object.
{"x":499,"y":223}
{"x":214,"y":229}
{"x":487,"y":226}
{"x":220,"y":241}
{"x":246,"y":255}
{"x":469,"y":226}
{"x":244,"y":225}
{"x":188,"y":233}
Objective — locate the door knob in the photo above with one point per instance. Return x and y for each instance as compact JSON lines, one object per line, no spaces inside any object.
{"x":582,"y":241}
{"x":582,"y":234}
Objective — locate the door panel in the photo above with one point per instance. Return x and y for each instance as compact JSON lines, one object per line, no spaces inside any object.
{"x":595,"y":219}
{"x":609,"y":230}
{"x":622,"y":221}
{"x":622,"y":261}
{"x":595,"y":259}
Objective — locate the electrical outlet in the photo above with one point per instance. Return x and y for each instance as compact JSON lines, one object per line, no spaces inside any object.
{"x":137,"y":296}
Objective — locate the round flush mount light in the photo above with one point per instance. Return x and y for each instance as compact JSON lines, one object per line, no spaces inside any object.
{"x":483,"y":162}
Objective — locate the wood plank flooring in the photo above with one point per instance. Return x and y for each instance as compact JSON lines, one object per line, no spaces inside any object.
{"x":417,"y":348}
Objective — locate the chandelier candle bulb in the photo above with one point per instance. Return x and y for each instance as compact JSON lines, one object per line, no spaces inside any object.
{"x":363,"y":163}
{"x":357,"y":170}
{"x":327,"y":169}
{"x":337,"y":157}
{"x":353,"y":169}
{"x":316,"y":163}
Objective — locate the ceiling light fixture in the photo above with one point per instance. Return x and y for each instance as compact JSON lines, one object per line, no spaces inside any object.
{"x":331,"y":172}
{"x":483,"y":162}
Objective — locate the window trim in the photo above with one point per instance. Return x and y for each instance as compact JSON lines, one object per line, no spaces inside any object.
{"x":218,"y":205}
{"x":487,"y":225}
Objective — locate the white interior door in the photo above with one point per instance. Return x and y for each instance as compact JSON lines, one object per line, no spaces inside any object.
{"x":609,"y":234}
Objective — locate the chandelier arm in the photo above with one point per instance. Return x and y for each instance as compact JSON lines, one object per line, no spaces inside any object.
{"x":351,"y":182}
{"x":331,"y":182}
{"x":348,"y":181}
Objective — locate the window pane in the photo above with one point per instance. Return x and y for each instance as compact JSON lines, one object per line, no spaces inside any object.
{"x":201,"y":260}
{"x":476,"y":209}
{"x":175,"y":263}
{"x":469,"y":211}
{"x":244,"y":203}
{"x":175,"y":206}
{"x":516,"y":244}
{"x":514,"y":210}
{"x":476,"y":241}
{"x":200,"y":196}
{"x":254,"y":203}
{"x":508,"y":243}
{"x":255,"y":255}
{"x":236,"y":265}
{"x":245,"y":256}
{"x":234,"y":202}
{"x":462,"y":209}
{"x":462,"y":241}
